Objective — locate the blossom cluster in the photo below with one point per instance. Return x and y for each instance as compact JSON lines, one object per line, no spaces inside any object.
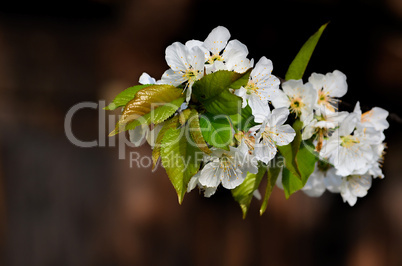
{"x":346,"y":149}
{"x":350,"y":145}
{"x":353,"y":150}
{"x":191,"y":61}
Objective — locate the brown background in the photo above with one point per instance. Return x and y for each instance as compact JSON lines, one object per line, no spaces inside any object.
{"x":65,"y":205}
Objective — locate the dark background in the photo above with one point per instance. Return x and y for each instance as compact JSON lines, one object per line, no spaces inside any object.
{"x":65,"y":205}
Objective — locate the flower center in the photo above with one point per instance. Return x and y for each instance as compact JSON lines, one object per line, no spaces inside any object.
{"x":226,"y":164}
{"x":267,"y":137}
{"x":250,"y":142}
{"x":325,"y":100}
{"x":251,"y":88}
{"x":296,"y":105}
{"x":191,"y":74}
{"x":215,"y":57}
{"x":349,"y":141}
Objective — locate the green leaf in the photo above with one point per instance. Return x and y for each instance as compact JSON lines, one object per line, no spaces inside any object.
{"x":243,"y":194}
{"x":212,"y":91}
{"x":290,"y":183}
{"x":242,"y":81}
{"x":172,"y":123}
{"x":300,"y":62}
{"x":184,"y":115}
{"x":125,"y":96}
{"x":213,"y":84}
{"x":273,"y":173}
{"x":180,"y":159}
{"x":306,"y":159}
{"x":195,"y":131}
{"x":216,"y":130}
{"x":153,"y":104}
{"x":289,"y":152}
{"x":244,"y":120}
{"x":224,"y":103}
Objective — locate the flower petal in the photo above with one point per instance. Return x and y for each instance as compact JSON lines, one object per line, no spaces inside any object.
{"x":217,"y":39}
{"x":210,"y":175}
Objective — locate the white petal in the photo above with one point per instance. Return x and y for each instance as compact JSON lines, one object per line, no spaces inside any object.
{"x":257,"y":194}
{"x":217,"y":39}
{"x":196,"y":59}
{"x":210,"y":175}
{"x":242,"y":92}
{"x":209,"y":191}
{"x":279,"y":180}
{"x":347,"y":196}
{"x":348,"y":124}
{"x":265,"y":150}
{"x":261,"y":75}
{"x":376,"y":117}
{"x":259,"y":107}
{"x":358,"y":185}
{"x":315,"y":186}
{"x":309,"y":95}
{"x":146,"y":79}
{"x":193,"y":43}
{"x":171,"y":78}
{"x":232,"y":178}
{"x":279,"y":116}
{"x":239,"y":65}
{"x":332,"y":181}
{"x":317,"y":80}
{"x":284,"y":135}
{"x":235,"y":52}
{"x":176,"y":56}
{"x":336,"y":84}
{"x":281,"y":100}
{"x":292,"y":87}
{"x":376,"y":171}
{"x":357,"y":109}
{"x":308,"y":130}
{"x":188,"y":94}
{"x":193,"y":182}
{"x":331,"y":146}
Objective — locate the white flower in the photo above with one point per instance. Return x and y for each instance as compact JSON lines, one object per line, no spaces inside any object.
{"x":328,"y":86}
{"x":378,"y":158}
{"x":376,"y":118}
{"x":194,"y":181}
{"x":271,"y":133}
{"x":298,"y":97}
{"x":262,"y":86}
{"x":350,"y":187}
{"x":186,"y":65}
{"x":221,"y":55}
{"x":250,"y":162}
{"x":226,"y":167}
{"x":315,"y":185}
{"x":322,"y":124}
{"x":332,"y":181}
{"x":146,"y":79}
{"x":324,"y":177}
{"x":348,"y":149}
{"x":355,"y":186}
{"x":373,"y":123}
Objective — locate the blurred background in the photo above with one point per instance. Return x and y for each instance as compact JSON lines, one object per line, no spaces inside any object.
{"x":65,"y":205}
